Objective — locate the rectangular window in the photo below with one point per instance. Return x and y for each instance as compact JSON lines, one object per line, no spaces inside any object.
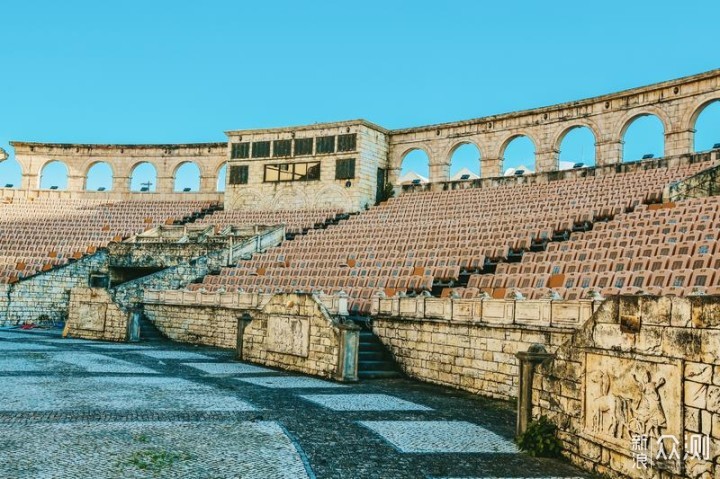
{"x":261,"y":149}
{"x":292,"y":172}
{"x":326,"y":144}
{"x":347,"y":142}
{"x":282,"y":148}
{"x":240,"y":150}
{"x":239,"y":175}
{"x":304,"y":146}
{"x":345,"y":169}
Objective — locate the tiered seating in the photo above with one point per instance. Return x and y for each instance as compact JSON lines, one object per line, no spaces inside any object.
{"x":295,"y":221}
{"x":431,"y":240}
{"x":36,"y":235}
{"x":660,"y":249}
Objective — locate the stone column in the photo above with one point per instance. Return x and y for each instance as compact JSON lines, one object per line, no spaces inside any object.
{"x":536,"y":354}
{"x":608,"y":152}
{"x":490,"y":167}
{"x":546,"y":160}
{"x":440,"y":172}
{"x":679,"y":142}
{"x":208,"y":184}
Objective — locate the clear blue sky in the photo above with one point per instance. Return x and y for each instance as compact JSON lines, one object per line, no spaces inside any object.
{"x":174,"y":71}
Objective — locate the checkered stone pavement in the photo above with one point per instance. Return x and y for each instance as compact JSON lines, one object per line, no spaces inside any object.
{"x":140,"y":450}
{"x":440,"y":436}
{"x":73,"y":409}
{"x":181,"y":355}
{"x":228,"y":368}
{"x":363,"y":402}
{"x":290,"y":382}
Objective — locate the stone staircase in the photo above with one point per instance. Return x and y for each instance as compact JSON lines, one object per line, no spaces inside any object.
{"x":374,"y":360}
{"x":149,"y":333}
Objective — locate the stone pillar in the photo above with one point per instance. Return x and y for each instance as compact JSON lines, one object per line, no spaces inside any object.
{"x":133,"y":327}
{"x":349,"y":348}
{"x":536,"y":354}
{"x":208,"y":184}
{"x":164,"y":184}
{"x":490,"y":167}
{"x":242,"y":323}
{"x":439,"y":172}
{"x":608,"y":152}
{"x":679,"y":142}
{"x":546,"y":160}
{"x":76,"y":183}
{"x":343,"y":303}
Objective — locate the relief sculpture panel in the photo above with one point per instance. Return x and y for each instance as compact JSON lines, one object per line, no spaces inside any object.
{"x":628,"y":397}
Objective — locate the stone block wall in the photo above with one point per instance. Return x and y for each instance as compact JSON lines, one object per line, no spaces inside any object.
{"x":289,"y":331}
{"x":48,"y":294}
{"x":466,"y":355}
{"x":642,"y":365}
{"x":196,"y":324}
{"x":94,"y":315}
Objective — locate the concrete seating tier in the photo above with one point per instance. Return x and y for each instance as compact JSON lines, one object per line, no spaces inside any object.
{"x":439,"y":240}
{"x":37,"y":235}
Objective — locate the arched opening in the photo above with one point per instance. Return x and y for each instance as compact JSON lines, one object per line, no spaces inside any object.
{"x":465,"y":162}
{"x":644,"y":137}
{"x":518,"y":156}
{"x":10,"y":174}
{"x":143,"y":178}
{"x":707,"y":127}
{"x":54,"y":176}
{"x":577,"y":148}
{"x":415,"y":167}
{"x":187,"y":178}
{"x":99,"y":177}
{"x":221,"y":178}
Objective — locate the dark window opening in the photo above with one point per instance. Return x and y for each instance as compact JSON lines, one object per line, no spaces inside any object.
{"x":345,"y":169}
{"x":347,"y":142}
{"x":303,"y":146}
{"x":326,"y":144}
{"x":240,"y":150}
{"x":261,"y":149}
{"x":282,"y":148}
{"x":292,"y":172}
{"x":239,"y":175}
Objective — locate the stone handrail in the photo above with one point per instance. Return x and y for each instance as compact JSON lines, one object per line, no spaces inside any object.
{"x":227,"y":300}
{"x":542,"y":312}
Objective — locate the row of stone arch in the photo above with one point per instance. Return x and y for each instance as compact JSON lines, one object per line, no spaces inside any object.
{"x":143,"y":177}
{"x":642,"y":134}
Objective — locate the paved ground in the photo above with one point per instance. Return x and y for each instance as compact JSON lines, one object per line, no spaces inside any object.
{"x":82,"y":409}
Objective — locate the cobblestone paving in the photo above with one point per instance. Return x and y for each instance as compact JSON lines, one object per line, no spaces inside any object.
{"x":184,"y":355}
{"x":363,"y":402}
{"x":92,"y":410}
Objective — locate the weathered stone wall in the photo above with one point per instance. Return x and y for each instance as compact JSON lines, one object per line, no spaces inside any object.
{"x":94,"y":315}
{"x":475,"y":357}
{"x":290,"y":331}
{"x":641,"y":365}
{"x":48,"y":294}
{"x":370,"y":154}
{"x":79,"y":158}
{"x":196,"y":324}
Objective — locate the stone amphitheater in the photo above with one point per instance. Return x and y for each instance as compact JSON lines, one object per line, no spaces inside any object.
{"x":320,"y":317}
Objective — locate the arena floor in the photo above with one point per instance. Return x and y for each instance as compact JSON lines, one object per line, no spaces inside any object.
{"x":80,"y":409}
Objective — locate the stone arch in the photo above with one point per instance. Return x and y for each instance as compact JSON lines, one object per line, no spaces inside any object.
{"x":292,"y":199}
{"x":135,"y":183}
{"x":221,"y":173}
{"x":423,"y":164}
{"x":91,"y":182}
{"x":508,"y":141}
{"x":631,"y":120}
{"x":54,"y":174}
{"x":456,"y":158}
{"x":695,"y":114}
{"x":11,"y":171}
{"x":330,"y":196}
{"x":574,"y":127}
{"x":186,"y":174}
